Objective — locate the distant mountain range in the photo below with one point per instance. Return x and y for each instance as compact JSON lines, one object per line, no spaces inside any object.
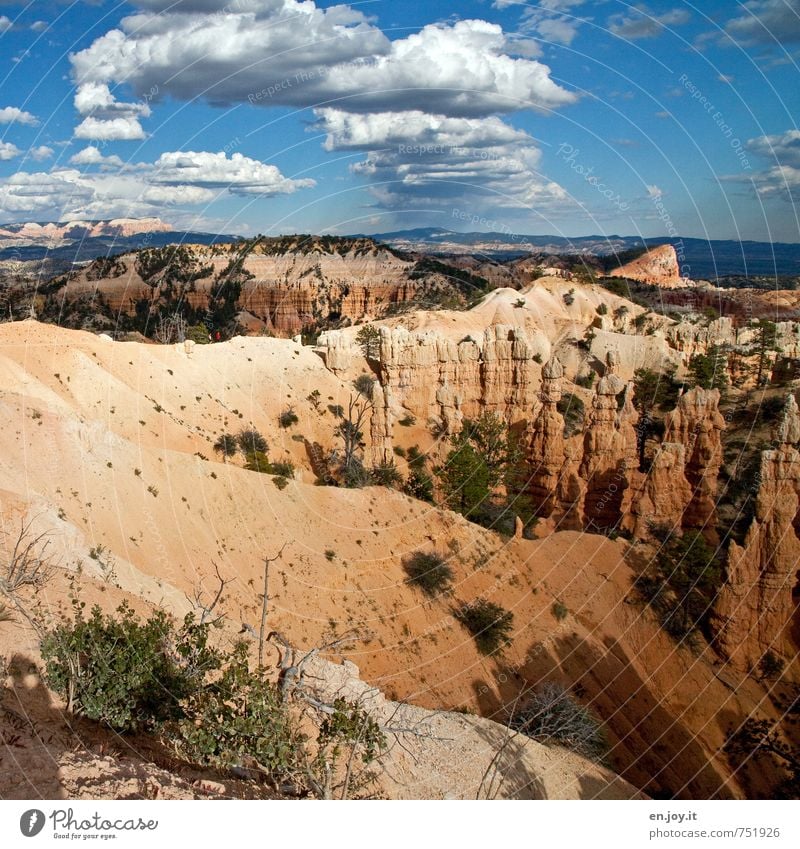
{"x":58,"y":245}
{"x":699,"y":258}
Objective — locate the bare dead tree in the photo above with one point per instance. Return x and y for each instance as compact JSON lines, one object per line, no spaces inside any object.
{"x":265,"y":602}
{"x":171,"y":329}
{"x":27,"y":565}
{"x":207,"y":610}
{"x":351,"y":430}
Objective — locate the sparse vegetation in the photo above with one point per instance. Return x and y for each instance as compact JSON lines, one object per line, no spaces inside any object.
{"x":571,"y":408}
{"x":288,"y":418}
{"x":553,"y":715}
{"x":429,"y":571}
{"x":681,"y":581}
{"x":368,"y":339}
{"x":250,"y":440}
{"x":489,"y":623}
{"x":559,"y":611}
{"x":364,"y":384}
{"x":226,"y":444}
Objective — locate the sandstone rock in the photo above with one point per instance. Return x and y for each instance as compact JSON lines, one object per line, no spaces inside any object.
{"x":658,"y":266}
{"x":663,"y":493}
{"x":755,"y":609}
{"x":546,"y":451}
{"x":697,"y":424}
{"x":609,"y":451}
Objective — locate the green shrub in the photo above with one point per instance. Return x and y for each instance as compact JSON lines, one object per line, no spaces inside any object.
{"x":489,"y":623}
{"x":237,"y":717}
{"x":386,"y":474}
{"x":123,"y":672}
{"x":280,"y":481}
{"x":283,"y":468}
{"x":571,"y":408}
{"x":428,"y":571}
{"x":364,"y":384}
{"x":770,"y":665}
{"x":559,"y":611}
{"x":251,"y":441}
{"x":552,"y":715}
{"x":226,"y":445}
{"x":407,"y":421}
{"x":419,"y":484}
{"x":257,"y":461}
{"x":288,"y":418}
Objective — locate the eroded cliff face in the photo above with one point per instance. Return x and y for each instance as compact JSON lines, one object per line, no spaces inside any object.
{"x":697,"y":424}
{"x":658,"y":266}
{"x":547,"y":459}
{"x":756,"y":609}
{"x":440,"y":380}
{"x":287,"y":286}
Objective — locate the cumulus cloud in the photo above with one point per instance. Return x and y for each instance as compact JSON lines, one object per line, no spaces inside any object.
{"x":105,"y":187}
{"x":5,"y":23}
{"x":641,"y":22}
{"x":90,"y":155}
{"x":13,"y":115}
{"x":783,"y":147}
{"x":414,"y":156}
{"x":107,"y":118}
{"x":782,"y":178}
{"x":41,"y":152}
{"x":114,"y":129}
{"x":39,"y":26}
{"x":766,"y":21}
{"x":8,"y":151}
{"x":290,"y":52}
{"x":23,"y":194}
{"x":237,"y":173}
{"x":554,"y":20}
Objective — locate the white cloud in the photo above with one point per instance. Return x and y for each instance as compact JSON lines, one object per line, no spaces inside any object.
{"x":107,"y":118}
{"x":178,"y":194}
{"x":39,"y":26}
{"x":115,"y":129}
{"x":13,"y":115}
{"x":346,"y":130}
{"x":413,"y":156}
{"x":8,"y":151}
{"x":96,"y":99}
{"x":553,"y":21}
{"x":5,"y":23}
{"x":141,"y":189}
{"x":90,"y":155}
{"x":782,"y":178}
{"x":25,"y":194}
{"x":41,"y":152}
{"x":288,"y":52}
{"x":641,"y":22}
{"x":239,"y":174}
{"x":783,"y":148}
{"x":766,"y":21}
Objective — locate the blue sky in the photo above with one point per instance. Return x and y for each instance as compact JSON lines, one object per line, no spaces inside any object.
{"x":560,"y":117}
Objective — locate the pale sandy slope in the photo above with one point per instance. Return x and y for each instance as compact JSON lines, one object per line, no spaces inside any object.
{"x":81,"y":415}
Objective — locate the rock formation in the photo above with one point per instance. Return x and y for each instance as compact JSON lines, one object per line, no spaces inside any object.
{"x":609,"y":451}
{"x":697,"y":424}
{"x":756,"y":610}
{"x":662,"y":494}
{"x":658,"y":266}
{"x":546,"y":452}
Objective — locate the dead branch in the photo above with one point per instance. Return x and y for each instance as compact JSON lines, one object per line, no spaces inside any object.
{"x":208,"y":609}
{"x":265,"y":602}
